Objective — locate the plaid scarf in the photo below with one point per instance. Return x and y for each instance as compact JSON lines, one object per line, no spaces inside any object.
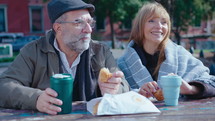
{"x":178,"y":61}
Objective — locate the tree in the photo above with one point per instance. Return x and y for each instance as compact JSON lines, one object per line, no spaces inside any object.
{"x":185,"y":13}
{"x":44,"y":1}
{"x":209,"y":9}
{"x":116,"y":10}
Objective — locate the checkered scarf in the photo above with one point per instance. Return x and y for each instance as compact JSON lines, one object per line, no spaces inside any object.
{"x":178,"y":61}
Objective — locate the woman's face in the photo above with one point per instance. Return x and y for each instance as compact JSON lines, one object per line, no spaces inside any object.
{"x":155,"y":30}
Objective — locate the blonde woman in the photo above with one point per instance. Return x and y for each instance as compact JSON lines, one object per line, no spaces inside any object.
{"x":151,"y":54}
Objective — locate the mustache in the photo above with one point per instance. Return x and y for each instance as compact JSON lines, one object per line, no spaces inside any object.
{"x":82,"y":36}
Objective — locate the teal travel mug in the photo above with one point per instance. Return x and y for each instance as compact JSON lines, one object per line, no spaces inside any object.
{"x":63,"y":85}
{"x":171,"y":89}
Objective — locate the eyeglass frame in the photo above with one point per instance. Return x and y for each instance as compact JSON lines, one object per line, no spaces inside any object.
{"x":80,"y":21}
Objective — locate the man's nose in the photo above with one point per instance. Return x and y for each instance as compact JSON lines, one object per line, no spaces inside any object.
{"x":87,"y":28}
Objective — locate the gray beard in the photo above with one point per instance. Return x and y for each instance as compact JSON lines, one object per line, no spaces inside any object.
{"x":74,"y":47}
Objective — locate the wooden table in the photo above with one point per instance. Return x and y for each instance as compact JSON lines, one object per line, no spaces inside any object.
{"x":187,"y":110}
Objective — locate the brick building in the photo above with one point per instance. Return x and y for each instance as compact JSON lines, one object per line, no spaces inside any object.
{"x":27,"y":16}
{"x":30,"y":17}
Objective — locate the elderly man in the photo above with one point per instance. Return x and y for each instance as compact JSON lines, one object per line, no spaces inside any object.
{"x":67,"y":48}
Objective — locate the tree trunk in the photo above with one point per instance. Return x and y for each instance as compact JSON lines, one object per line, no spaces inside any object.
{"x":112,"y":33}
{"x":178,"y":37}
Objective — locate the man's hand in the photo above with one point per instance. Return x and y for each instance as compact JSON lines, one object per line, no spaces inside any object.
{"x":112,"y":85}
{"x":46,"y":101}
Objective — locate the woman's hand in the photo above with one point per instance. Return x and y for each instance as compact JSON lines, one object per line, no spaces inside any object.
{"x":148,"y":89}
{"x":46,"y":101}
{"x":187,"y":89}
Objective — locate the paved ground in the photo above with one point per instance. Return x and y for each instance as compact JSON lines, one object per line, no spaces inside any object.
{"x":2,"y":69}
{"x":117,"y":53}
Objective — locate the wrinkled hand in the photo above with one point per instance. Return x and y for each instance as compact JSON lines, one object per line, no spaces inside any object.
{"x":188,"y":89}
{"x":112,"y":85}
{"x":46,"y":101}
{"x":148,"y":88}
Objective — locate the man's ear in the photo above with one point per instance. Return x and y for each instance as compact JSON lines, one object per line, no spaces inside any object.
{"x":57,"y":27}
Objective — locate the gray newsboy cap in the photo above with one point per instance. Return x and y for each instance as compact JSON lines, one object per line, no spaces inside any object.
{"x":58,"y":7}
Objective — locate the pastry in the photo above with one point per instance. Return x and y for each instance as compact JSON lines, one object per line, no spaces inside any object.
{"x":95,"y":108}
{"x":159,"y":95}
{"x":104,"y":75}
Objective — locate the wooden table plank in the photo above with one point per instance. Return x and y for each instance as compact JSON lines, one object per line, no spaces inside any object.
{"x":188,"y":110}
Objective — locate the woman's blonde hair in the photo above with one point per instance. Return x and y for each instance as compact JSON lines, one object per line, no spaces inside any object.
{"x":148,"y":10}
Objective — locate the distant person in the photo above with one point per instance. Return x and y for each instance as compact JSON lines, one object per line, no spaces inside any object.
{"x":214,"y":57}
{"x":151,"y":54}
{"x":212,"y":69}
{"x":191,"y":50}
{"x":201,"y":53}
{"x":212,"y":66}
{"x":67,"y":48}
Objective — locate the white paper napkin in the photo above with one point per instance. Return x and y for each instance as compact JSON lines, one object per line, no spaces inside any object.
{"x":126,"y":103}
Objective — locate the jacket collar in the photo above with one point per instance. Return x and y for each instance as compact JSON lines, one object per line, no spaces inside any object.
{"x":47,"y":42}
{"x":91,"y":50}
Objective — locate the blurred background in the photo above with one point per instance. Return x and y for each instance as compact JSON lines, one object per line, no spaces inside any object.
{"x":193,"y":25}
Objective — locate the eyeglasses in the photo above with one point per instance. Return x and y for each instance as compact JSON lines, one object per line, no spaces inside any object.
{"x":79,"y":23}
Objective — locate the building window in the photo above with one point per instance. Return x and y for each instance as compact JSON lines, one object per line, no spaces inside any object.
{"x":3,"y":18}
{"x":36,"y":19}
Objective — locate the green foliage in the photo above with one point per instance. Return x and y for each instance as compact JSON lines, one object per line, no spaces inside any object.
{"x":44,"y":1}
{"x":9,"y":59}
{"x":190,"y":12}
{"x":116,"y":10}
{"x":131,"y":8}
{"x":185,"y":13}
{"x":182,"y":12}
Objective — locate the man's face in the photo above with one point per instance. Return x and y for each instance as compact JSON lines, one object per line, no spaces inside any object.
{"x":76,"y":30}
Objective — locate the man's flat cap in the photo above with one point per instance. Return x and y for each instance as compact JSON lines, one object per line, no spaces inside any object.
{"x":58,"y":7}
